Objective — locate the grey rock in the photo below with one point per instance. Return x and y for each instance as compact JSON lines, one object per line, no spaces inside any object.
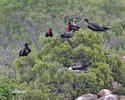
{"x":88,"y":97}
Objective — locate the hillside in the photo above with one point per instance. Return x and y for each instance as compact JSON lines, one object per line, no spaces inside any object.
{"x":44,"y":72}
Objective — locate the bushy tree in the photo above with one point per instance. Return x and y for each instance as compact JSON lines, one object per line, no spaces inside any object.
{"x":24,"y":65}
{"x":53,"y":80}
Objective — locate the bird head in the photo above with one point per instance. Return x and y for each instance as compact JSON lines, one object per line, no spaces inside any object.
{"x":69,"y":23}
{"x":26,"y":45}
{"x":86,"y":20}
{"x":50,"y":29}
{"x":74,"y":20}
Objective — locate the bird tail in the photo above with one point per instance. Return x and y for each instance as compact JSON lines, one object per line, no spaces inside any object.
{"x":106,"y":28}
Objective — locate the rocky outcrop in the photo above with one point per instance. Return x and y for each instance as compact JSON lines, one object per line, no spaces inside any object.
{"x":104,"y":94}
{"x":107,"y":95}
{"x":88,"y":97}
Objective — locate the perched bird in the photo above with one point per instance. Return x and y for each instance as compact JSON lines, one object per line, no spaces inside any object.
{"x":49,"y":33}
{"x":25,"y":51}
{"x":80,"y":66}
{"x":95,"y":27}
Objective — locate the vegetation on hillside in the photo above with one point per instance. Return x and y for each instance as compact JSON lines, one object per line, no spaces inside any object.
{"x":6,"y":89}
{"x":47,"y":76}
{"x":44,"y":73}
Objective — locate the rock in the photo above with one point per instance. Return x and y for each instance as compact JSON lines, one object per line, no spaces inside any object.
{"x":109,"y":97}
{"x":121,"y":97}
{"x":106,"y":94}
{"x":88,"y":97}
{"x":116,"y":86}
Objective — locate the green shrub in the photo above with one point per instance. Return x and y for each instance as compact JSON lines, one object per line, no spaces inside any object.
{"x":55,"y":81}
{"x":120,"y":91}
{"x":6,"y":89}
{"x":24,"y":66}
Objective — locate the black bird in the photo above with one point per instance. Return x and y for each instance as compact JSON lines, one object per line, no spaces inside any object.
{"x":74,"y":28}
{"x":84,"y":65}
{"x":25,"y":51}
{"x":95,"y":27}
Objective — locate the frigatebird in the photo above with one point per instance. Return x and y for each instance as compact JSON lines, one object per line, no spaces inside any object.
{"x":95,"y":27}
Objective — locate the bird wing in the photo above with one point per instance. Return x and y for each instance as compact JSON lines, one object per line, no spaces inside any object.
{"x":94,"y":25}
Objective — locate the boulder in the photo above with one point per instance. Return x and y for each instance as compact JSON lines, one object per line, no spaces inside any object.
{"x":116,"y":86}
{"x":121,"y":98}
{"x":109,"y":97}
{"x":88,"y":97}
{"x":106,"y":94}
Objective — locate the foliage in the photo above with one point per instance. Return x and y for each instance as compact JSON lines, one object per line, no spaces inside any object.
{"x":24,"y":65}
{"x":6,"y":89}
{"x":120,"y":91}
{"x":52,"y":80}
